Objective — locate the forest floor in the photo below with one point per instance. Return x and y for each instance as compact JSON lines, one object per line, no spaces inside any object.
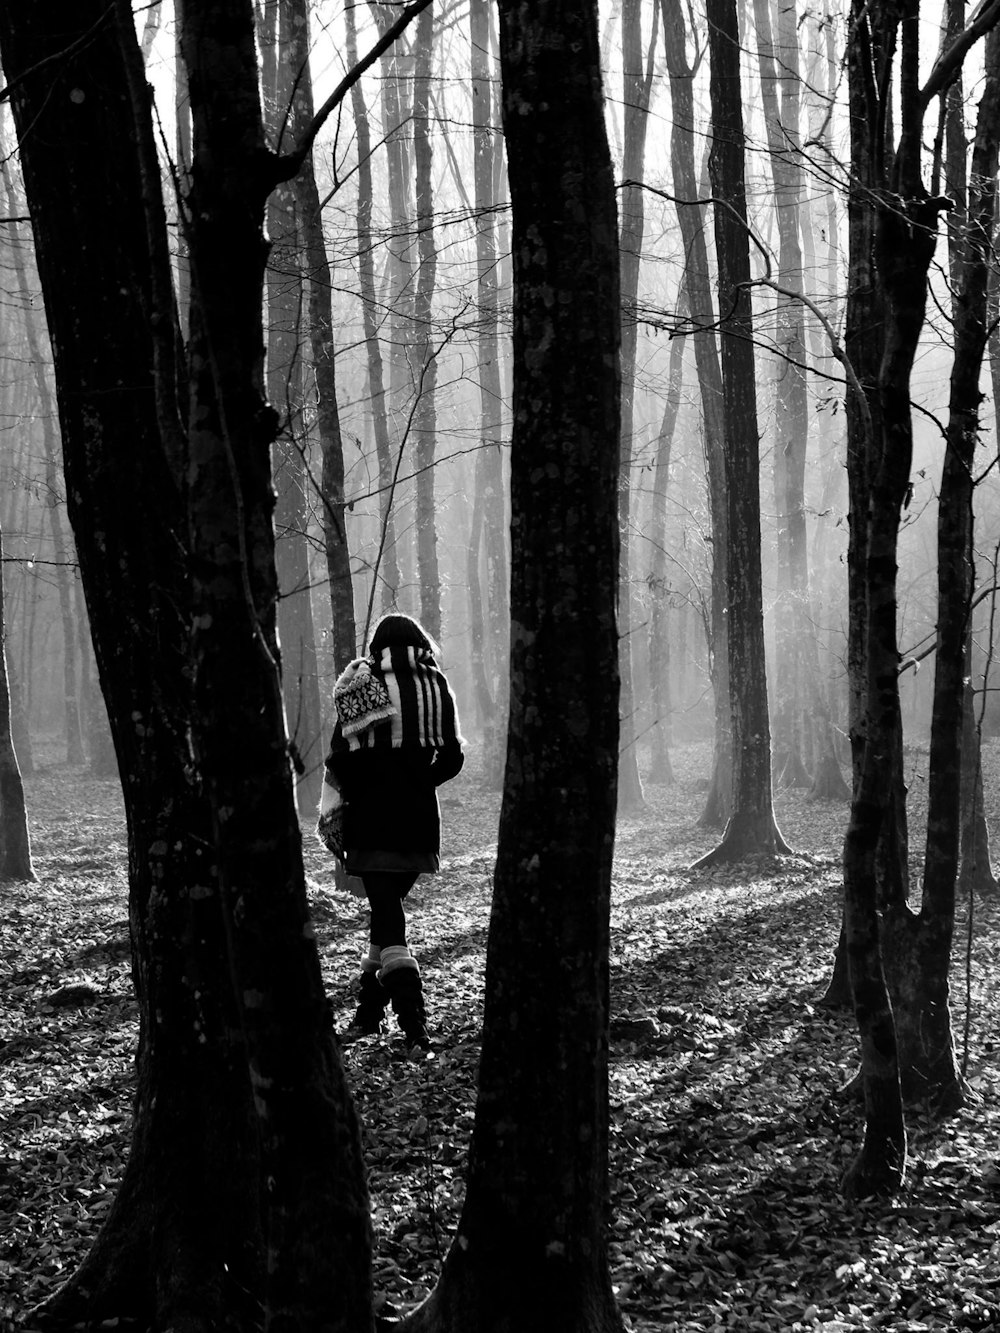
{"x":730,"y":1129}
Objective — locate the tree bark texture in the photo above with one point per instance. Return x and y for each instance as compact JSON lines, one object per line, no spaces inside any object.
{"x":530,"y":1253}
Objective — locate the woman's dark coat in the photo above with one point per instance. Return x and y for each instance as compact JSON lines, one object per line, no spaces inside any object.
{"x":391,"y":795}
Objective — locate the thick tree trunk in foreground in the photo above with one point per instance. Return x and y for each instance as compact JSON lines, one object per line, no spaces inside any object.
{"x":751,"y":828}
{"x":180,"y":1240}
{"x":315,"y":1222}
{"x":185,"y":1244}
{"x":530,"y":1255}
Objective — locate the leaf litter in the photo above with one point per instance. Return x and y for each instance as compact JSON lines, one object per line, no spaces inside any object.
{"x":730,"y":1125}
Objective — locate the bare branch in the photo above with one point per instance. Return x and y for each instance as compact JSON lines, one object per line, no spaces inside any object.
{"x":948,"y":63}
{"x":289,"y":164}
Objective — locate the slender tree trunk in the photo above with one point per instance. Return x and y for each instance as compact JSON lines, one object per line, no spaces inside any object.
{"x":691,"y":221}
{"x":387,"y":574}
{"x":425,"y":354}
{"x":793,"y":669}
{"x":319,"y":276}
{"x":660,"y":654}
{"x":15,"y":845}
{"x":400,"y":284}
{"x":288,"y":49}
{"x":751,"y":828}
{"x":635,"y":100}
{"x":63,"y":574}
{"x":493,"y":561}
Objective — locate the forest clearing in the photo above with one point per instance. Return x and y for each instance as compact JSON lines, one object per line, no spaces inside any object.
{"x":729,"y":1125}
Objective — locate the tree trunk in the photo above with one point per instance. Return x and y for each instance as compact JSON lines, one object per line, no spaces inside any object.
{"x":386,"y":574}
{"x":315,"y":1224}
{"x":492,"y":563}
{"x":661,"y":769}
{"x":183,"y":1245}
{"x":921,"y":994}
{"x":976,"y":867}
{"x":425,"y":354}
{"x":15,"y":845}
{"x":751,"y":828}
{"x":176,"y":1241}
{"x":320,"y":308}
{"x":635,"y":100}
{"x":285,"y":304}
{"x":63,"y":574}
{"x":795,"y":667}
{"x":531,"y":1249}
{"x":697,"y":283}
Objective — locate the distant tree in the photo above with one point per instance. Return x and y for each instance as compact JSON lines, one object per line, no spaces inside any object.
{"x":62,"y":570}
{"x":661,"y":769}
{"x":487,"y":564}
{"x":322,"y":346}
{"x":531,"y":1247}
{"x":424,"y":353}
{"x":15,"y":844}
{"x":781,"y":90}
{"x":387,"y":573}
{"x":285,"y":47}
{"x":636,"y":86}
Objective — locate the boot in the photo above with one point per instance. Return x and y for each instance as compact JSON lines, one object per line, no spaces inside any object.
{"x":401,"y":979}
{"x":372,"y":1000}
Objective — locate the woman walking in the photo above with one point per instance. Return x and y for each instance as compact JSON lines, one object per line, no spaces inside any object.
{"x":396,"y":740}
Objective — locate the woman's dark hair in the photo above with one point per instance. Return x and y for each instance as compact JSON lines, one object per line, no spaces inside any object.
{"x":397,"y":630}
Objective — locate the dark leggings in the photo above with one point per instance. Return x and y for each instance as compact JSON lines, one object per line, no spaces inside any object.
{"x":386,"y":891}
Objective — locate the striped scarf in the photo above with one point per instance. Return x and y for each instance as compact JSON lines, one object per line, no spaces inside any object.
{"x":421,"y":705}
